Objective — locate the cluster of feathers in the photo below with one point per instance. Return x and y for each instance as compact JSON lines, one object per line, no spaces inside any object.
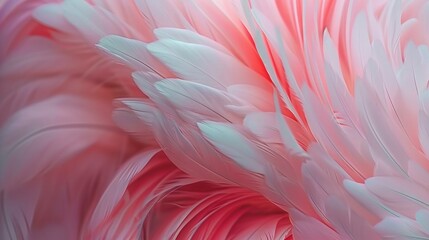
{"x":214,"y":119}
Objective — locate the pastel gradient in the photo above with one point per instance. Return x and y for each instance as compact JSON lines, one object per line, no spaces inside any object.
{"x":214,"y":119}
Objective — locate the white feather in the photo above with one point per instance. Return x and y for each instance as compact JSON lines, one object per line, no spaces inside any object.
{"x":233,"y":144}
{"x":203,"y":64}
{"x":133,"y":53}
{"x":194,"y":98}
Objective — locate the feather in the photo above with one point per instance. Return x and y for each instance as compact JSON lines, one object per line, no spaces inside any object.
{"x":287,"y":136}
{"x":322,"y":178}
{"x":263,"y":125}
{"x":52,"y":15}
{"x":134,"y":53}
{"x":393,"y":12}
{"x":333,"y":139}
{"x":197,"y":102}
{"x":154,"y":12}
{"x":347,"y":222}
{"x":313,"y":57}
{"x":424,"y":131}
{"x":400,"y":229}
{"x":129,"y":13}
{"x":145,"y":81}
{"x":211,"y":19}
{"x":280,"y":183}
{"x":255,"y":96}
{"x":117,"y":187}
{"x":295,"y":89}
{"x":200,"y":158}
{"x":130,"y":122}
{"x":332,"y":59}
{"x":266,"y":59}
{"x":188,"y":36}
{"x":233,"y":144}
{"x":145,"y":111}
{"x":361,"y":194}
{"x":79,"y":121}
{"x":90,"y":21}
{"x":422,"y":217}
{"x":195,"y":62}
{"x":135,"y":204}
{"x":93,"y":22}
{"x":302,"y":223}
{"x":383,"y":141}
{"x":360,"y":45}
{"x":342,"y":105}
{"x":418,"y":173}
{"x":404,"y":196}
{"x":20,"y":67}
{"x":18,"y":208}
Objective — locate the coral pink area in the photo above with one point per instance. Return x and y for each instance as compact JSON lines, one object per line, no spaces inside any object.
{"x":204,"y":119}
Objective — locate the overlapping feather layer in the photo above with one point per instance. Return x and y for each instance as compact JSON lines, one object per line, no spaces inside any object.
{"x":230,"y":119}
